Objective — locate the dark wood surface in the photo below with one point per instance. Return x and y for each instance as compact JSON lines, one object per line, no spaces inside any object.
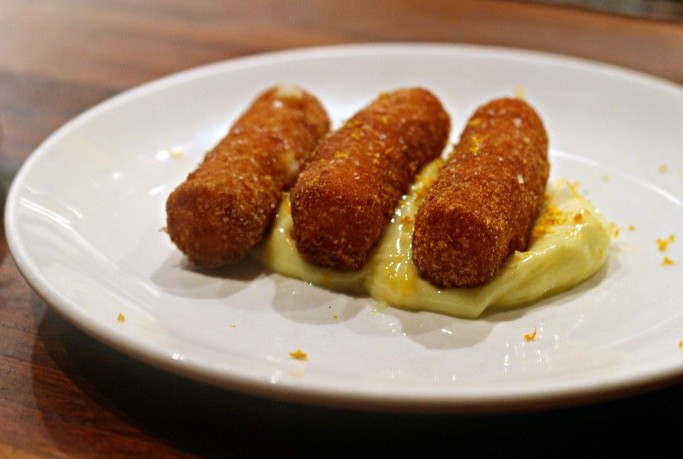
{"x":63,"y":394}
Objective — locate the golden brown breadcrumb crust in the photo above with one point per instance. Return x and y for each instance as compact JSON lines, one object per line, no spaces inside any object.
{"x":486,"y":197}
{"x":347,"y":195}
{"x":225,"y":206}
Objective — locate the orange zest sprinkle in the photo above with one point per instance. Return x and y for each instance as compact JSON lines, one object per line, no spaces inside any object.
{"x":550,"y":216}
{"x":666,"y":261}
{"x":298,"y":355}
{"x":530,"y":336}
{"x":615,"y":230}
{"x":476,"y":144}
{"x":663,"y":243}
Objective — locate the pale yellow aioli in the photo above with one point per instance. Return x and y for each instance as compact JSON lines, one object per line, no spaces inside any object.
{"x":570,"y":244}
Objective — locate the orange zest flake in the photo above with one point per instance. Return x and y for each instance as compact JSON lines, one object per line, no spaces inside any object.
{"x":530,"y":336}
{"x":474,"y":122}
{"x":615,"y":230}
{"x":120,"y":318}
{"x":477,"y":141}
{"x":663,"y":243}
{"x":666,"y":261}
{"x":298,"y":355}
{"x":550,"y":216}
{"x":424,"y":183}
{"x":407,"y":219}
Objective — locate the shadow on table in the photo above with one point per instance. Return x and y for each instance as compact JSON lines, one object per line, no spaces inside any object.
{"x":191,"y":419}
{"x":663,"y":10}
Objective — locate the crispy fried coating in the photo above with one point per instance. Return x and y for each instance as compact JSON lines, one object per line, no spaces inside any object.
{"x":227,"y":203}
{"x":485,"y":199}
{"x":346,"y":196}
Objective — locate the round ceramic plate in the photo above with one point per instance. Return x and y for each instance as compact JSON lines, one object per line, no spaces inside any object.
{"x":85,"y":218}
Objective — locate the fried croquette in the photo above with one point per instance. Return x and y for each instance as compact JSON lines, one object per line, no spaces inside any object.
{"x":485,"y":199}
{"x":346,"y":196}
{"x":225,"y":206}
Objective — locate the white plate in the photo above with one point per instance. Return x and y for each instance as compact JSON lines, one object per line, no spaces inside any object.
{"x":85,"y":213}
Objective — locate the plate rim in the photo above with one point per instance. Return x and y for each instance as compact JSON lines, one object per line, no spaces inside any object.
{"x":554,"y":397}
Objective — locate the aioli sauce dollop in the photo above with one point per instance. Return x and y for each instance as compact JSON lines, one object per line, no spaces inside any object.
{"x":570,"y":243}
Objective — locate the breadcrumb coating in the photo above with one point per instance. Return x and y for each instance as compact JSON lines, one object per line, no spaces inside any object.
{"x":484,"y":202}
{"x":346,"y":196}
{"x":225,"y":206}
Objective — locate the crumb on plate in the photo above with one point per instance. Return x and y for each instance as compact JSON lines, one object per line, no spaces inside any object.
{"x":666,"y":261}
{"x":298,"y":355}
{"x":663,"y":243}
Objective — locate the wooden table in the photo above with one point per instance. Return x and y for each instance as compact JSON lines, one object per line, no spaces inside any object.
{"x":63,"y":394}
